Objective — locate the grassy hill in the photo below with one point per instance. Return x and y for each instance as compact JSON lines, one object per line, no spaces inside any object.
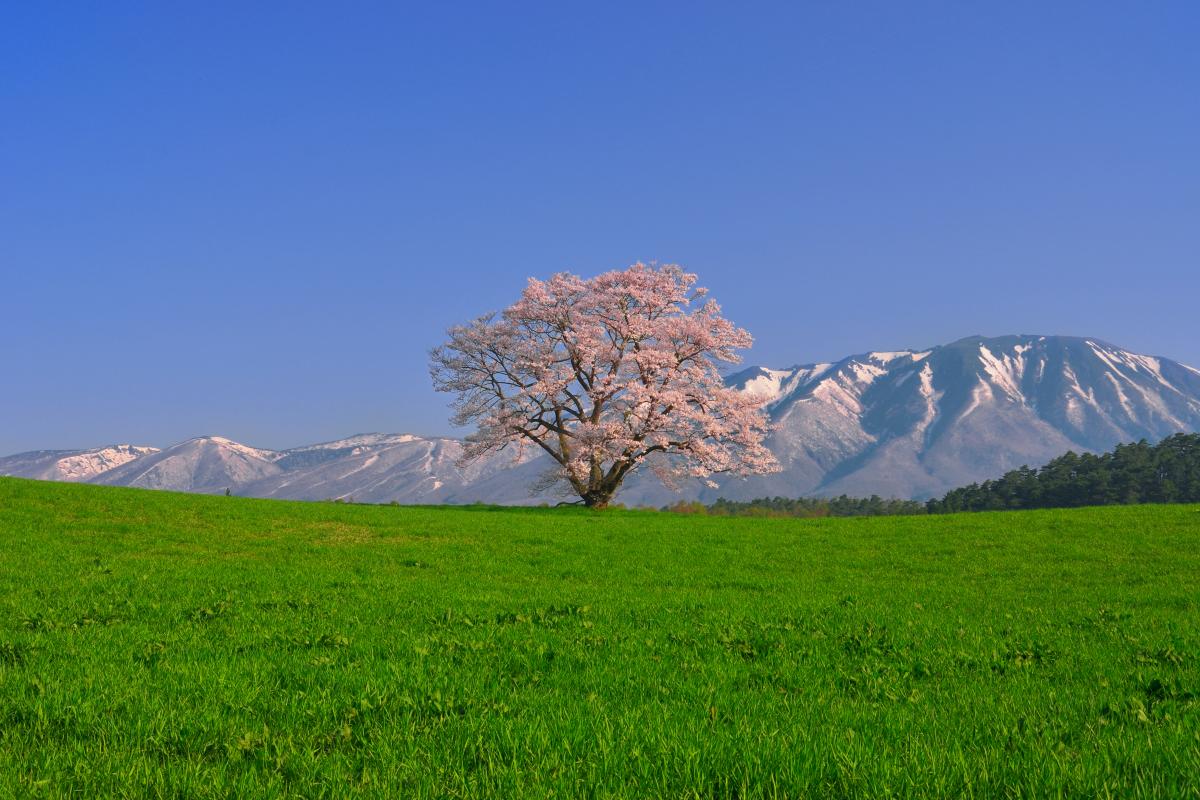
{"x":156,"y":644}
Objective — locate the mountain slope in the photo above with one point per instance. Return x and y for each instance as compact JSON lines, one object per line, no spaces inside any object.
{"x":71,"y":465}
{"x":205,"y":464}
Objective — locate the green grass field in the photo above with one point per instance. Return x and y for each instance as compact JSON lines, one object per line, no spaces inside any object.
{"x":166,"y":645}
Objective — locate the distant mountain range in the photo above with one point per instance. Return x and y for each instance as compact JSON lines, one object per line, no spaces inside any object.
{"x":898,"y":424}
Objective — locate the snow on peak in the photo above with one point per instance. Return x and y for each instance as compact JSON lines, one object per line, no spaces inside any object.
{"x":770,"y":386}
{"x":866,"y":373}
{"x":359,"y":440}
{"x":1116,"y":359}
{"x":806,"y":375}
{"x":1004,"y":371}
{"x":841,"y":394}
{"x":244,"y":450}
{"x":839,"y":385}
{"x":767,"y":386}
{"x":888,"y":356}
{"x":81,"y":466}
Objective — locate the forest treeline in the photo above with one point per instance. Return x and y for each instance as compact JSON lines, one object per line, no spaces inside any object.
{"x":1167,"y":472}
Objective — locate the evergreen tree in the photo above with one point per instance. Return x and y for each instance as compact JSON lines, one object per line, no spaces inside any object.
{"x":1168,"y":472}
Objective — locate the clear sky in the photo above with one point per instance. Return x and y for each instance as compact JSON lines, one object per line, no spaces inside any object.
{"x":254,"y":219}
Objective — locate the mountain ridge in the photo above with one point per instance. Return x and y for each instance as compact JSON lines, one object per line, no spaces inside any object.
{"x":902,"y":423}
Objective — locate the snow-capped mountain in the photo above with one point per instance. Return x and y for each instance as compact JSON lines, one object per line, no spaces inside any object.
{"x":206,"y":464}
{"x":373,"y":467}
{"x":916,"y":423}
{"x":910,"y":423}
{"x":382,"y":468}
{"x":71,"y":465}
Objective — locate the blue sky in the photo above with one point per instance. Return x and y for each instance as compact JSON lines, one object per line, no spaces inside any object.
{"x":254,"y":219}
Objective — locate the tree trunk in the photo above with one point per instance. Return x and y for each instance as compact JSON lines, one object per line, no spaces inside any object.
{"x":602,"y":487}
{"x":597,"y":498}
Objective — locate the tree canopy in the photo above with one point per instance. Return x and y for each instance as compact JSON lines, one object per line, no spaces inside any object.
{"x":604,"y":375}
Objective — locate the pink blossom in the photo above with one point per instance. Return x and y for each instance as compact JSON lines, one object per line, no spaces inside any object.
{"x":606,"y":375}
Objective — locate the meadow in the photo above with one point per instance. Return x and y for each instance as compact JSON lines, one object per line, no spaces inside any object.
{"x":166,"y":645}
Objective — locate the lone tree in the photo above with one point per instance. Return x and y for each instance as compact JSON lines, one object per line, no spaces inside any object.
{"x":605,"y":375}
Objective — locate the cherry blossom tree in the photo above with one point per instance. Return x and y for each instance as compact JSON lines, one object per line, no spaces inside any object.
{"x":606,"y":375}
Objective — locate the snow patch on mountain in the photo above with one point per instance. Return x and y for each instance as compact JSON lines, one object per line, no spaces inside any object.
{"x":931,"y":397}
{"x":1005,"y":372}
{"x":1122,"y":398}
{"x":886,"y":356}
{"x":840,"y":395}
{"x":865,"y":373}
{"x":87,"y":465}
{"x":980,"y":394}
{"x":358,"y":440}
{"x":71,"y":465}
{"x":767,"y":385}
